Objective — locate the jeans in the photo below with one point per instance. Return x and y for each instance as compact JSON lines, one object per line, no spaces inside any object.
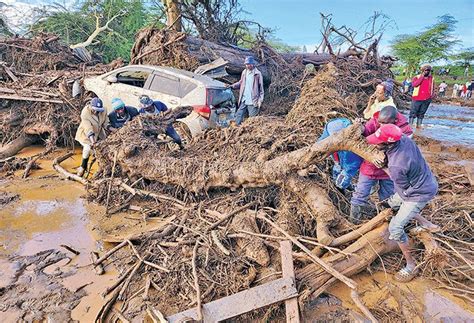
{"x":406,"y":212}
{"x":419,"y":108}
{"x":361,"y":194}
{"x":171,"y":132}
{"x":244,"y":111}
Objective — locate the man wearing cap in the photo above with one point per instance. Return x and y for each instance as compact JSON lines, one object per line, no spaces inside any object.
{"x":370,"y":175}
{"x":423,"y":92}
{"x":94,"y":123}
{"x":251,"y":91}
{"x":346,"y":163}
{"x":148,"y":106}
{"x":415,"y":185}
{"x":381,"y":98}
{"x":121,"y":113}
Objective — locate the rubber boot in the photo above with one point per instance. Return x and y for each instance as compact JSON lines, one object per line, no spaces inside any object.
{"x":355,"y":214}
{"x":83,"y":167}
{"x":411,"y":120}
{"x":419,"y":122}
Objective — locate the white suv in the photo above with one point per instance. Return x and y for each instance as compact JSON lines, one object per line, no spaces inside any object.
{"x":213,"y":104}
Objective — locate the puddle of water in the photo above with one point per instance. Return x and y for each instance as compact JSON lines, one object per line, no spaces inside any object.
{"x":421,"y":295}
{"x":49,"y":213}
{"x":450,"y":124}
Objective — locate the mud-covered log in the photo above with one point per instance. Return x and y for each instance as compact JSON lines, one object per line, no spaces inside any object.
{"x":16,"y":145}
{"x":157,"y":47}
{"x":356,"y":257}
{"x":169,"y":169}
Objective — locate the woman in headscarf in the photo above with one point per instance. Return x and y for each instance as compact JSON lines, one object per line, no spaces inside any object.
{"x":382,"y":97}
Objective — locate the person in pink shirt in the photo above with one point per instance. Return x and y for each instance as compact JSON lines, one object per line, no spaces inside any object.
{"x":423,"y":92}
{"x":369,"y":174}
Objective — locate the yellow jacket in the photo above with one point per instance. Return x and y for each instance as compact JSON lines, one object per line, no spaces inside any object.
{"x":377,"y":106}
{"x":92,"y":124}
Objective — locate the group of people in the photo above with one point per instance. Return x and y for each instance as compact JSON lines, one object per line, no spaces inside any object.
{"x":463,"y":90}
{"x":96,"y":123}
{"x":404,"y":180}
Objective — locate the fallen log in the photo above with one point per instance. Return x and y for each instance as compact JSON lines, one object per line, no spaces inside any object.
{"x":15,"y":146}
{"x":163,"y":47}
{"x":65,"y":173}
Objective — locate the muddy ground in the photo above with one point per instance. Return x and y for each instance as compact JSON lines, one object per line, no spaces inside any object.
{"x":42,"y":218}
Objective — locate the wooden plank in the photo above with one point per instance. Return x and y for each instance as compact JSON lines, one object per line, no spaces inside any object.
{"x":291,"y":305}
{"x":24,"y":98}
{"x":10,"y":73}
{"x":242,"y":302}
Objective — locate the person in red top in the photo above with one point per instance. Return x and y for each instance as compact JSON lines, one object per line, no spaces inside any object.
{"x":369,"y":174}
{"x":423,"y":91}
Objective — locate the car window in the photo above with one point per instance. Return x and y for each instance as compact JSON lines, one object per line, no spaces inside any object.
{"x":218,"y":96}
{"x":165,"y":84}
{"x":186,"y":87}
{"x":134,"y":78}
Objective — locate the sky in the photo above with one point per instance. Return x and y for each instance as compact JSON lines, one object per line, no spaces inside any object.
{"x":297,"y":22}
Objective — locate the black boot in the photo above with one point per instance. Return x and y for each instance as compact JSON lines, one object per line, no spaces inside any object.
{"x":83,"y":168}
{"x":419,"y":122}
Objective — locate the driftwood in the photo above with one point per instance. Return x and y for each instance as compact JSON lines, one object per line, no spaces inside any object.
{"x":65,"y":173}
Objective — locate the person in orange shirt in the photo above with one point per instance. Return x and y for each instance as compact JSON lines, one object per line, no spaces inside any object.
{"x":423,"y":93}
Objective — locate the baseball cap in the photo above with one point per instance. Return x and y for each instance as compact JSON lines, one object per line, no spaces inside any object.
{"x":387,"y":133}
{"x":337,"y":125}
{"x":97,"y":105}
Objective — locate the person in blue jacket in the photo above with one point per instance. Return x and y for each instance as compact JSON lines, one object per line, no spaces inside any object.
{"x":121,"y":113}
{"x":148,"y":106}
{"x":346,"y":163}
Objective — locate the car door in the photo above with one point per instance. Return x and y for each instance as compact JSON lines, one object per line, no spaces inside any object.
{"x":131,"y":83}
{"x":165,"y":88}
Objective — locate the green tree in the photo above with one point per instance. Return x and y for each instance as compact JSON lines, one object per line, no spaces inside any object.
{"x":124,"y":18}
{"x":465,"y":57}
{"x":432,"y":44}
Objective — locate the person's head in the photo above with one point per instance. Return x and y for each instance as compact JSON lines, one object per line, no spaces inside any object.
{"x":97,"y":105}
{"x":250,"y":63}
{"x":337,"y":125}
{"x":118,"y":105}
{"x":388,"y":115}
{"x":426,"y":69}
{"x":146,"y":103}
{"x":385,"y":136}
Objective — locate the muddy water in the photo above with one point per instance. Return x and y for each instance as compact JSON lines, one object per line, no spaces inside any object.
{"x":450,"y":124}
{"x":49,"y":214}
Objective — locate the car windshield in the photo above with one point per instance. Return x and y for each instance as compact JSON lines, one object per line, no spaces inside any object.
{"x":217,"y":96}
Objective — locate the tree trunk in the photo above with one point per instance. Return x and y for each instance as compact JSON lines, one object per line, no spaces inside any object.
{"x":202,"y":52}
{"x":13,"y":147}
{"x":170,"y":170}
{"x":173,"y":15}
{"x":356,"y":258}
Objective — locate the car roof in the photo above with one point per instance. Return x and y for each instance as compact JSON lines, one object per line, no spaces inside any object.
{"x":193,"y":77}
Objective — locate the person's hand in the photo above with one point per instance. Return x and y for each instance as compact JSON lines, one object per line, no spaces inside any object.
{"x":379,"y":162}
{"x":227,"y":86}
{"x":259,"y":104}
{"x":359,"y":120}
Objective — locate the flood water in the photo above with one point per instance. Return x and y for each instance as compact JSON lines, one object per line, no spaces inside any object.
{"x":449,"y":123}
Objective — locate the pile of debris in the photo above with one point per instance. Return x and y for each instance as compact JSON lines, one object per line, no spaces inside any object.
{"x":233,"y":193}
{"x":40,"y":90}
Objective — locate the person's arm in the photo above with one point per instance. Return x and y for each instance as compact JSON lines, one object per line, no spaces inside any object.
{"x":260,"y":89}
{"x":417,"y":80}
{"x":370,"y":127}
{"x":113,"y":119}
{"x":237,"y":84}
{"x":160,"y":106}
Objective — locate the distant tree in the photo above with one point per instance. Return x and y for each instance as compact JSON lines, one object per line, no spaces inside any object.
{"x":465,"y":57}
{"x":432,"y":44}
{"x":108,"y":27}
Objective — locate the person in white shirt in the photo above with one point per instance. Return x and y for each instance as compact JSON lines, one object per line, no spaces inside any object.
{"x":442,"y":88}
